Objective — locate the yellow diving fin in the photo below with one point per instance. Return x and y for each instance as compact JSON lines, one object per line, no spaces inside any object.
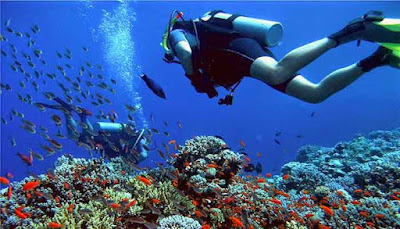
{"x":393,"y":25}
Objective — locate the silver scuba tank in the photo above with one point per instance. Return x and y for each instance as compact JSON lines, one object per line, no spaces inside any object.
{"x":266,"y":32}
{"x":108,"y":127}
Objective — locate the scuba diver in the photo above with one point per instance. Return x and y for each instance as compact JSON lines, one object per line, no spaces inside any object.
{"x":220,"y":49}
{"x":112,"y":139}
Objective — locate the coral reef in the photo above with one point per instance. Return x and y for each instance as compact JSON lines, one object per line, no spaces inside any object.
{"x":351,"y":185}
{"x":179,"y":222}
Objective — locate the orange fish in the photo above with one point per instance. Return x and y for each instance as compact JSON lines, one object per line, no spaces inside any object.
{"x":212,"y":165}
{"x":268,"y":175}
{"x":371,"y":224}
{"x":364,"y":213}
{"x":71,"y":208}
{"x":25,"y":159}
{"x":258,"y":154}
{"x":156,"y":201}
{"x":395,"y":197}
{"x":9,"y":175}
{"x":355,"y":202}
{"x":206,"y":226}
{"x":115,"y":205}
{"x":260,"y":180}
{"x":286,"y":176}
{"x":198,"y":214}
{"x":275,"y":201}
{"x":309,"y":215}
{"x":327,"y":210}
{"x":55,"y":225}
{"x":242,"y":143}
{"x":133,"y":202}
{"x":358,"y":191}
{"x":144,"y":180}
{"x":172,"y":142}
{"x":236,"y":221}
{"x":20,"y":214}
{"x":4,"y":180}
{"x":66,"y":185}
{"x":380,"y":216}
{"x":9,"y":192}
{"x":31,"y":185}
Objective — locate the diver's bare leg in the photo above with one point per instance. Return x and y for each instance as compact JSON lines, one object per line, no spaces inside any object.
{"x":269,"y":71}
{"x":303,"y":89}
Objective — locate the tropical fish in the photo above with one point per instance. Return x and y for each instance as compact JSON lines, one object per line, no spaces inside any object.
{"x":85,"y":211}
{"x":277,"y":142}
{"x":36,"y":155}
{"x":20,"y":214}
{"x":4,"y":121}
{"x":9,"y":192}
{"x":248,"y":167}
{"x":31,"y":185}
{"x":179,"y":125}
{"x":55,"y":225}
{"x":49,"y":150}
{"x":153,"y":86}
{"x":130,"y":108}
{"x":12,"y":142}
{"x":29,"y":129}
{"x":57,"y":120}
{"x":286,"y":176}
{"x":144,"y":180}
{"x":242,"y":143}
{"x":4,"y":181}
{"x":275,"y":201}
{"x":312,"y":114}
{"x":37,"y":52}
{"x":35,"y":29}
{"x":18,"y":34}
{"x":236,"y":222}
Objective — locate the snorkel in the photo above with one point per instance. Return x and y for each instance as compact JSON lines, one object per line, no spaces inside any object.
{"x":164,"y":44}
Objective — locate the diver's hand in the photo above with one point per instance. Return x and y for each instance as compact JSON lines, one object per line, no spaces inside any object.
{"x":202,"y":84}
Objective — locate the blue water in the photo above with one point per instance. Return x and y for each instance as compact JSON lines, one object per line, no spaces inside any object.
{"x":124,"y":38}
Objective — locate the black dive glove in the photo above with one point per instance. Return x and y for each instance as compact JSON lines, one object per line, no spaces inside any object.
{"x":202,"y":84}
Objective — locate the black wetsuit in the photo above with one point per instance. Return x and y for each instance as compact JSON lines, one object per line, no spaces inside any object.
{"x":224,"y":54}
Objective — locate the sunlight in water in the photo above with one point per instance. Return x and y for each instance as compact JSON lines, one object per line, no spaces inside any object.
{"x":119,"y":52}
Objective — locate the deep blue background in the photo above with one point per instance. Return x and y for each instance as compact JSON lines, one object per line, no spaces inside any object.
{"x":371,"y":103}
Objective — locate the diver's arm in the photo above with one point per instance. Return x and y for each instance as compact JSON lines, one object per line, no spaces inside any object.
{"x":184,"y":54}
{"x":182,"y":49}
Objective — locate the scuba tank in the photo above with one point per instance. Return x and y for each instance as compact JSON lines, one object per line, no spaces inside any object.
{"x":108,"y":127}
{"x":265,"y":32}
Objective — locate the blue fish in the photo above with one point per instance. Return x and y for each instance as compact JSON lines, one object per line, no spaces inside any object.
{"x":154,"y":87}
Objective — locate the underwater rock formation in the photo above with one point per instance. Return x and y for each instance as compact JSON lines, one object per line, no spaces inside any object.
{"x":352,"y":185}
